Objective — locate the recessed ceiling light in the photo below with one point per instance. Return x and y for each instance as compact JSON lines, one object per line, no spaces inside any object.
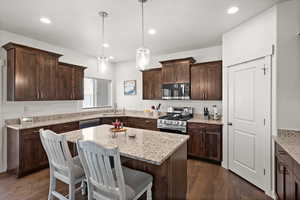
{"x":106,"y":45}
{"x":152,"y":31}
{"x":111,"y":57}
{"x":45,"y":20}
{"x":232,"y":10}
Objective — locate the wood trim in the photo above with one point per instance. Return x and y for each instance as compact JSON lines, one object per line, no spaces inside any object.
{"x":189,"y":59}
{"x":72,"y":65}
{"x":12,"y":45}
{"x":197,"y":64}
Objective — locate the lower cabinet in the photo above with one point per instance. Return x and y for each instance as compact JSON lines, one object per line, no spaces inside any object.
{"x":205,"y":141}
{"x":33,"y":155}
{"x":142,"y":123}
{"x":287,"y":173}
{"x":133,"y":122}
{"x":25,"y":151}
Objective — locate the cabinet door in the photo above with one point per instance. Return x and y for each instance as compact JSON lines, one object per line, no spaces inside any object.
{"x":214,"y":81}
{"x":152,"y":84}
{"x":26,"y":79}
{"x":33,"y":155}
{"x":182,"y":71}
{"x":47,"y":77}
{"x":196,"y":144}
{"x":289,"y":183}
{"x":147,"y":85}
{"x":213,"y":142}
{"x":198,"y":82}
{"x":66,"y":127}
{"x":296,"y":187}
{"x":168,"y":73}
{"x":78,"y":83}
{"x":64,"y":86}
{"x":279,"y":179}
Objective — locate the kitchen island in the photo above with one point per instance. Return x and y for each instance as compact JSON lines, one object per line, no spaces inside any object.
{"x":163,"y":155}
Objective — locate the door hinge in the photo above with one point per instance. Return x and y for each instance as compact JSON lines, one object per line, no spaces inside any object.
{"x":264,"y":122}
{"x":265,"y":70}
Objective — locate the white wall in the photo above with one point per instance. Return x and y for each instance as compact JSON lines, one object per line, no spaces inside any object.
{"x":10,"y":110}
{"x":288,"y":65}
{"x":251,"y":40}
{"x":128,"y":71}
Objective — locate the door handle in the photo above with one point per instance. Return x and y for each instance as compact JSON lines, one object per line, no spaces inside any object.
{"x":229,"y":123}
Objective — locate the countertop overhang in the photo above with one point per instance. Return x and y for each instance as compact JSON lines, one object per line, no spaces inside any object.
{"x":153,"y":147}
{"x":289,"y":140}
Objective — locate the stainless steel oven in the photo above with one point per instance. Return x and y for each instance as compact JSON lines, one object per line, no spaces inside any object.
{"x":176,"y":91}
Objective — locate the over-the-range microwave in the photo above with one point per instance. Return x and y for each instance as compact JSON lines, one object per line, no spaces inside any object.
{"x":176,"y":91}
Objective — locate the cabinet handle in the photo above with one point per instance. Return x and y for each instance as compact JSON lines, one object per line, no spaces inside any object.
{"x":203,"y":96}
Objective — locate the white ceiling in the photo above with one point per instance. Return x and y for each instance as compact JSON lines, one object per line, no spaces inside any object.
{"x":181,"y":24}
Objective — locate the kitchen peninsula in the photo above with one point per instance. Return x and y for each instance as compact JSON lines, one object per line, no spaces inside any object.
{"x":164,"y":155}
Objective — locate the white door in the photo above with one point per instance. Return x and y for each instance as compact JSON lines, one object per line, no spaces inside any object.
{"x":249,"y":103}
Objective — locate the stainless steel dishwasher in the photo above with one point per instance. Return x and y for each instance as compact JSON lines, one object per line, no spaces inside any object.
{"x":89,"y":123}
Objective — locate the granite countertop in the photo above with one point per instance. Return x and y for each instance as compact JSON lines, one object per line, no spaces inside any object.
{"x":82,"y":116}
{"x":149,"y":146}
{"x":289,"y":140}
{"x":77,"y":118}
{"x":200,"y":119}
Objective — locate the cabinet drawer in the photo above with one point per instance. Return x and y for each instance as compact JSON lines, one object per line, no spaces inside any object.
{"x":33,"y":130}
{"x":192,"y":126}
{"x":283,"y":156}
{"x":66,"y":127}
{"x":142,"y":123}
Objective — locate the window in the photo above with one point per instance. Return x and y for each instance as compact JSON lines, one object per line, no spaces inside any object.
{"x":97,"y":93}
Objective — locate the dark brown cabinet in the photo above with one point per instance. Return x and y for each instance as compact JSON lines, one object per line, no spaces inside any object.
{"x":30,"y":73}
{"x":142,"y":123}
{"x":36,"y":75}
{"x":34,"y":156}
{"x":287,"y":171}
{"x":206,"y":81}
{"x":196,"y":143}
{"x":26,"y":153}
{"x":176,"y":71}
{"x":205,"y":141}
{"x":47,"y":77}
{"x":78,"y":82}
{"x":64,"y":84}
{"x":152,"y":84}
{"x":69,"y":84}
{"x":133,"y":122}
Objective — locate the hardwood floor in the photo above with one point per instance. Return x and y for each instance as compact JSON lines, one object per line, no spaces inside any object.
{"x":206,"y":181}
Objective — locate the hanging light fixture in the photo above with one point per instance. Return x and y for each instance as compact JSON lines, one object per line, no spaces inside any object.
{"x":142,"y":53}
{"x":103,"y":60}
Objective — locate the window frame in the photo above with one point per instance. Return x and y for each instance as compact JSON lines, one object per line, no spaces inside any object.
{"x":111,"y":95}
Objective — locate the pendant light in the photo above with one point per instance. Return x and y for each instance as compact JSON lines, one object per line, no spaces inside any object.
{"x":103,"y":60}
{"x":142,"y":53}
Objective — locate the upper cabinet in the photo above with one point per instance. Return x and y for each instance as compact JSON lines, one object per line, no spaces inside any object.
{"x":34,"y":74}
{"x":176,"y":71}
{"x":69,"y":85}
{"x":206,"y":81}
{"x":152,"y":84}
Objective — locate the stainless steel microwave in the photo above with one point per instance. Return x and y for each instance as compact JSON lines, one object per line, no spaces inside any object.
{"x":176,"y":91}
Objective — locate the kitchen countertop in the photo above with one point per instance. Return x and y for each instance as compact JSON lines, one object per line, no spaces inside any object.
{"x":200,"y":119}
{"x":82,"y":116}
{"x":289,"y":140}
{"x":149,"y":146}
